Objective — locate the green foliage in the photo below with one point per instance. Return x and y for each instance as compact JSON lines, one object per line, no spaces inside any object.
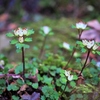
{"x":85,"y":88}
{"x":35,"y":85}
{"x":49,"y":93}
{"x":10,"y":35}
{"x":12,"y":87}
{"x":2,"y":85}
{"x":14,"y":97}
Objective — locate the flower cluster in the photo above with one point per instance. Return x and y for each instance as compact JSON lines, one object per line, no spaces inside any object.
{"x":90,"y":44}
{"x":81,"y":25}
{"x":70,"y":77}
{"x":20,"y":33}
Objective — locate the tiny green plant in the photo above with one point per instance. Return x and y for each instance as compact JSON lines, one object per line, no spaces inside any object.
{"x":22,"y":35}
{"x":44,"y":31}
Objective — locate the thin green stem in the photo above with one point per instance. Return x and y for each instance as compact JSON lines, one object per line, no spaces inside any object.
{"x":23,"y":61}
{"x":74,"y":50}
{"x":64,"y":89}
{"x":42,"y":48}
{"x":89,"y":50}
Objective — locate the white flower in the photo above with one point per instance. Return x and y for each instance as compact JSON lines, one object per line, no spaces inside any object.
{"x":95,"y":47}
{"x":66,"y":45}
{"x":21,"y":39}
{"x":2,"y":62}
{"x":85,"y":42}
{"x":46,"y":29}
{"x":81,"y":25}
{"x":25,"y":31}
{"x":89,"y":44}
{"x":70,"y":77}
{"x":20,"y":32}
{"x":67,"y":73}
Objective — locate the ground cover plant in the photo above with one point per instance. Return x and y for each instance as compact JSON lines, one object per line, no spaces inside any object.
{"x":50,"y":76}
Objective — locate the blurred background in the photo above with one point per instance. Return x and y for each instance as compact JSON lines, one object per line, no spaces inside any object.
{"x":60,"y":15}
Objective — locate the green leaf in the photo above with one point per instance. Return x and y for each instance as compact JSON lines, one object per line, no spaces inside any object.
{"x":79,"y":42}
{"x":35,"y":85}
{"x":78,"y":60}
{"x":14,"y":41}
{"x":83,"y":50}
{"x":9,"y":87}
{"x":30,"y":32}
{"x":79,"y":96}
{"x":18,"y":69}
{"x":72,"y":83}
{"x":18,"y":50}
{"x":12,"y":87}
{"x":73,"y":97}
{"x":47,"y":80}
{"x":14,"y":97}
{"x":98,"y":52}
{"x":93,"y":62}
{"x":10,"y":35}
{"x":43,"y":98}
{"x":63,"y":80}
{"x":19,"y":45}
{"x":75,"y":77}
{"x":26,"y":46}
{"x":73,"y":26}
{"x":58,"y":83}
{"x":28,"y":39}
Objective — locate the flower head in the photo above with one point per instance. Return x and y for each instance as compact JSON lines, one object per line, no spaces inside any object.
{"x":81,"y":25}
{"x":46,"y":29}
{"x":90,"y":44}
{"x":70,"y":77}
{"x":20,"y":32}
{"x":67,"y":73}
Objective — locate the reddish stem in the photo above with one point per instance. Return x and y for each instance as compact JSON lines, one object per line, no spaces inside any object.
{"x":89,"y":50}
{"x":23,"y":61}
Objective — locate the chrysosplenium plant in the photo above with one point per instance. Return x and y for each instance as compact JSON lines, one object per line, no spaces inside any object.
{"x":20,"y":39}
{"x":44,"y":31}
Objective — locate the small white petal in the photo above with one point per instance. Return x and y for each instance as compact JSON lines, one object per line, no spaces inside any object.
{"x":2,"y":62}
{"x":24,"y":31}
{"x":81,"y":25}
{"x":70,"y":77}
{"x":46,"y":29}
{"x":85,"y":42}
{"x":20,"y":32}
{"x":90,"y":44}
{"x":67,"y":73}
{"x":95,"y":47}
{"x":66,"y":45}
